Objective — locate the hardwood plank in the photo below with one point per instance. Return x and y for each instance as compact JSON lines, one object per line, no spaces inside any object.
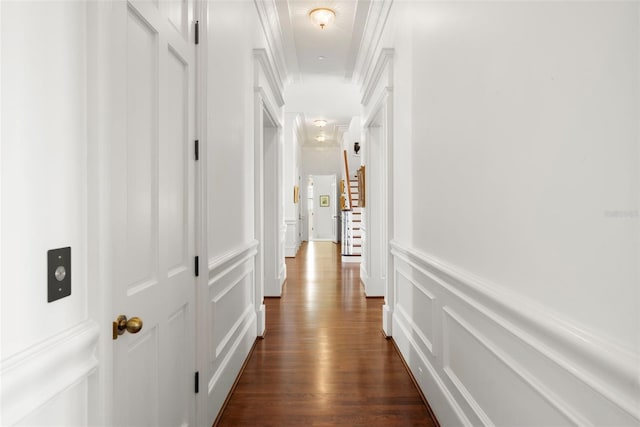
{"x":324,"y":360}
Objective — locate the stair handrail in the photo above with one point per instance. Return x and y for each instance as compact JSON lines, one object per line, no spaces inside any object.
{"x":348,"y":181}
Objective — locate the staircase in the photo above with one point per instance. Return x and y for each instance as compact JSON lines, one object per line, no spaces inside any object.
{"x":351,"y":218}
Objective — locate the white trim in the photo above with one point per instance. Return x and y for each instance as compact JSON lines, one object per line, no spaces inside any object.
{"x":440,"y":397}
{"x":384,"y":62}
{"x":223,"y":368}
{"x":268,"y":107}
{"x":374,"y":28}
{"x":38,"y":374}
{"x":406,"y":318}
{"x":600,"y":365}
{"x":520,"y":371}
{"x":247,"y":314}
{"x":224,"y":291}
{"x":268,"y":14}
{"x":203,"y":335}
{"x":225,"y":263}
{"x":261,"y":57}
{"x":378,"y":86}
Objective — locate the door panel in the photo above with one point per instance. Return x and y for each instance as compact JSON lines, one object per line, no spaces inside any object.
{"x":141,"y":379}
{"x":153,"y":214}
{"x":141,"y":245}
{"x":174,"y":176}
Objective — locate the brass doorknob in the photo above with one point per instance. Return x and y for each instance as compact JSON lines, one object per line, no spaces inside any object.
{"x":122,"y":324}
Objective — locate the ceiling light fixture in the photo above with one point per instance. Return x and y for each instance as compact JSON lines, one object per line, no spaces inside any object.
{"x":320,"y":138}
{"x":320,"y":123}
{"x":322,"y":16}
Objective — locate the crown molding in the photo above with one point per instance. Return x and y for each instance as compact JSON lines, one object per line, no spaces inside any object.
{"x":270,"y":72}
{"x":384,"y":62}
{"x":268,"y":14}
{"x":374,"y":28}
{"x":301,"y":129}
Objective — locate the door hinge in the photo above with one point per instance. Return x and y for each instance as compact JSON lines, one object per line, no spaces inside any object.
{"x":197,"y":266}
{"x":196,"y":378}
{"x":197,"y":150}
{"x":197,"y":32}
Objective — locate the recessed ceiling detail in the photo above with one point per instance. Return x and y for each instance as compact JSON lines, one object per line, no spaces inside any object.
{"x":321,"y":63}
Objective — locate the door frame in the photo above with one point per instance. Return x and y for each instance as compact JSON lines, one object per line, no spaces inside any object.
{"x":264,"y":108}
{"x":381,"y":118}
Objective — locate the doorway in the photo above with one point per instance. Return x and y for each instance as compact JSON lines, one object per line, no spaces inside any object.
{"x":322,"y":205}
{"x":272,"y":210}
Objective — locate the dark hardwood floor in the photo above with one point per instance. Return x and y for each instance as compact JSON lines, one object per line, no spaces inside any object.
{"x":324,"y":360}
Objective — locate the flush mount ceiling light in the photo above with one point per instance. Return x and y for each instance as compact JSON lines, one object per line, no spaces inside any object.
{"x":320,"y":138}
{"x":320,"y":123}
{"x":322,"y":16}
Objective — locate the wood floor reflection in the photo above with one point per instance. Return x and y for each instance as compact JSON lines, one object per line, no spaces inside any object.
{"x":324,"y":360}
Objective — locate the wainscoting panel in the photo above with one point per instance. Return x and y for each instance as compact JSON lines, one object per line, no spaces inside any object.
{"x":484,"y":357}
{"x":232,"y":321}
{"x":292,"y":239}
{"x":416,"y":306}
{"x":38,"y":383}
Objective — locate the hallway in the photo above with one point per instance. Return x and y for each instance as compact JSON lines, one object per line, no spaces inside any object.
{"x":484,"y":164}
{"x":324,"y":360}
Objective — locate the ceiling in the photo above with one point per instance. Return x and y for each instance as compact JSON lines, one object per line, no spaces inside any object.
{"x":320,"y":63}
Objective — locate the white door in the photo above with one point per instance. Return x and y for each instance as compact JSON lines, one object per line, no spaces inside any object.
{"x":323,"y":207}
{"x":152,"y":212}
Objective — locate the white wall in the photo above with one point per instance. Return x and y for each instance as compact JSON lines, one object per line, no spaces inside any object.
{"x":353,"y":134}
{"x":46,"y":348}
{"x":516,"y":181}
{"x":232,"y":312}
{"x":230,"y":126}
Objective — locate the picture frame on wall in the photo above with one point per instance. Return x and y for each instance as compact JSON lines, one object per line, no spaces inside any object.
{"x":362,"y":187}
{"x":324,"y":201}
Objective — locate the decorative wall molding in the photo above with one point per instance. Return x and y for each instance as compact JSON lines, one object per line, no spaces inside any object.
{"x":569,"y":415}
{"x":232,"y":355}
{"x":374,"y":78}
{"x":275,"y":86}
{"x":572,"y":374}
{"x":268,"y":14}
{"x":292,"y":240}
{"x":40,"y":373}
{"x":223,"y":264}
{"x":425,"y":337}
{"x":374,"y":28}
{"x":377,"y":119}
{"x":232,"y":318}
{"x":244,"y":319}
